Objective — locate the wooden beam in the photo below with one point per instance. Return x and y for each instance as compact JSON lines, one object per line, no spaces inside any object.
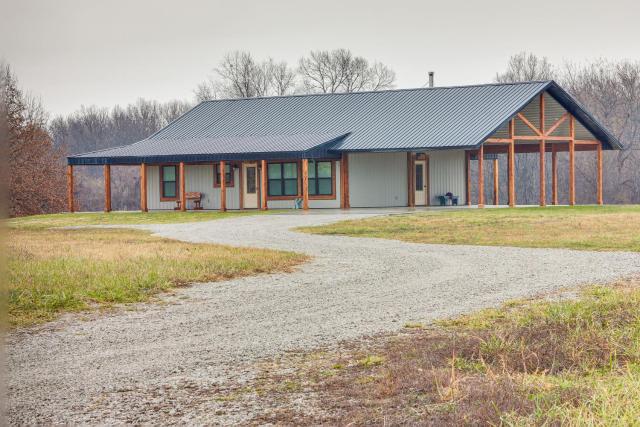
{"x":467,"y":170}
{"x":70,"y":189}
{"x":557,"y":124}
{"x":512,"y":166}
{"x":496,"y":183}
{"x":107,"y":188}
{"x":411,"y":176}
{"x":305,"y":184}
{"x":543,"y":175}
{"x":481,"y":177}
{"x":344,"y":181}
{"x":554,"y":174}
{"x":263,"y":185}
{"x":599,"y":188}
{"x":572,"y":162}
{"x":143,"y":187}
{"x":183,"y":194}
{"x":222,"y":169}
{"x":529,"y":124}
{"x":587,"y":142}
{"x":498,"y":141}
{"x":240,"y":186}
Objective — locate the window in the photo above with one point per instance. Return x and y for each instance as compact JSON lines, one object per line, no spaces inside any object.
{"x":251,"y":180}
{"x":283,"y":179}
{"x":228,"y":175}
{"x":320,"y":178}
{"x":168,"y":182}
{"x":419,"y":177}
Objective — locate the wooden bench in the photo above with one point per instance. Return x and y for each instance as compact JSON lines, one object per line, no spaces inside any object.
{"x":195,"y":197}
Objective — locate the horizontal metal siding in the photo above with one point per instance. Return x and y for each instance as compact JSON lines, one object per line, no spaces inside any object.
{"x":198,"y":178}
{"x":378,"y":179}
{"x":447,"y":174}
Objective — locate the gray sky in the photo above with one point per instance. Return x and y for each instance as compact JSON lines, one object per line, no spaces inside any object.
{"x":74,"y":52}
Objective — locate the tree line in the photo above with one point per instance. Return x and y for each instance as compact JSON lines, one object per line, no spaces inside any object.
{"x":37,"y":146}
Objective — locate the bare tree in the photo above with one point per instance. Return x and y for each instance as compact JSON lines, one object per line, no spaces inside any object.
{"x":340,"y":71}
{"x":35,"y":167}
{"x":283,"y":78}
{"x":524,"y":67}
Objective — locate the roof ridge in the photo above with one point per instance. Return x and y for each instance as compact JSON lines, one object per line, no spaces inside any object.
{"x":410,"y":89}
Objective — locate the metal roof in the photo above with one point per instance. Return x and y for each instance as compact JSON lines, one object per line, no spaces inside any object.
{"x":215,"y":148}
{"x":392,"y":120}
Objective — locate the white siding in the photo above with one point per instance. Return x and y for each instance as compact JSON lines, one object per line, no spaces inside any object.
{"x":197,"y":178}
{"x":447,"y":174}
{"x":378,"y":179}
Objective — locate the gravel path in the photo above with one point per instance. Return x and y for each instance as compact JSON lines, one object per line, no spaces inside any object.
{"x":163,"y":362}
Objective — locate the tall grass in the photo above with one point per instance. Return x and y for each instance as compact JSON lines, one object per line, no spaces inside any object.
{"x":55,"y":271}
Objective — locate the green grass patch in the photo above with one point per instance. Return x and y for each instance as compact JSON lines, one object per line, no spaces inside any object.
{"x":120,"y":218}
{"x":51,"y":271}
{"x":604,"y":228}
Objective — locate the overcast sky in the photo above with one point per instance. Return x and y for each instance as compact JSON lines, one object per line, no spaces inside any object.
{"x":74,"y":52}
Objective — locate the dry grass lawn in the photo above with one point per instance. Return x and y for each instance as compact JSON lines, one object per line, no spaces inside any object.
{"x":569,"y":362}
{"x":51,"y":271}
{"x":580,"y":227}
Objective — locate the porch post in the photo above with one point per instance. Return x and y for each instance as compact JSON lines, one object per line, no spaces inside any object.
{"x":496,"y":183}
{"x":305,"y":184}
{"x":107,"y":188}
{"x":222,"y":168}
{"x":512,"y":165}
{"x":263,"y":185}
{"x":411,"y":176}
{"x":481,"y":176}
{"x":599,"y":190}
{"x":467,"y":171}
{"x":183,"y":195}
{"x":543,"y":192}
{"x":554,"y":174}
{"x":572,"y":162}
{"x":143,"y":187}
{"x":344,"y":181}
{"x":70,"y":201}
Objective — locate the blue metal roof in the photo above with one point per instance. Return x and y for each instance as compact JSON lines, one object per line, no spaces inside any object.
{"x":393,"y":120}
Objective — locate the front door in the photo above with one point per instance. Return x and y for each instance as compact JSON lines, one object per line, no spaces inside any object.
{"x":421,"y":182}
{"x":250,"y":187}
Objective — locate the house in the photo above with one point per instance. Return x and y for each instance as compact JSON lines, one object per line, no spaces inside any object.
{"x":367,"y":149}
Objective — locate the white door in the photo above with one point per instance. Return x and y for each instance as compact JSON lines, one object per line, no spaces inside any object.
{"x":421,"y":182}
{"x":250,"y":187}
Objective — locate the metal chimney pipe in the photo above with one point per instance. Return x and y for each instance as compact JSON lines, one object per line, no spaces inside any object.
{"x":430,"y":78}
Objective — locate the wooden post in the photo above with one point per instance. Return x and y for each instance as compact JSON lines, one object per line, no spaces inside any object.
{"x":222,"y":168}
{"x":572,"y":161}
{"x":344,"y":181}
{"x":554,"y":174}
{"x":305,"y":184}
{"x":512,"y":165}
{"x":481,"y":176}
{"x":543,"y":177}
{"x":70,"y":201}
{"x":143,"y":187}
{"x":599,"y":189}
{"x":107,"y":188}
{"x":496,"y":183}
{"x":467,"y":173}
{"x":543,"y":192}
{"x":411,"y":176}
{"x":263,"y":185}
{"x":183,"y":194}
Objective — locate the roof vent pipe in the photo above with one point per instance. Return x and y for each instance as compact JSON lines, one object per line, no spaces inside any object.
{"x":430,"y":78}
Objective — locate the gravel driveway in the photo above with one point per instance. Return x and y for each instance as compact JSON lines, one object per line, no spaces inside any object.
{"x":163,"y":362}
